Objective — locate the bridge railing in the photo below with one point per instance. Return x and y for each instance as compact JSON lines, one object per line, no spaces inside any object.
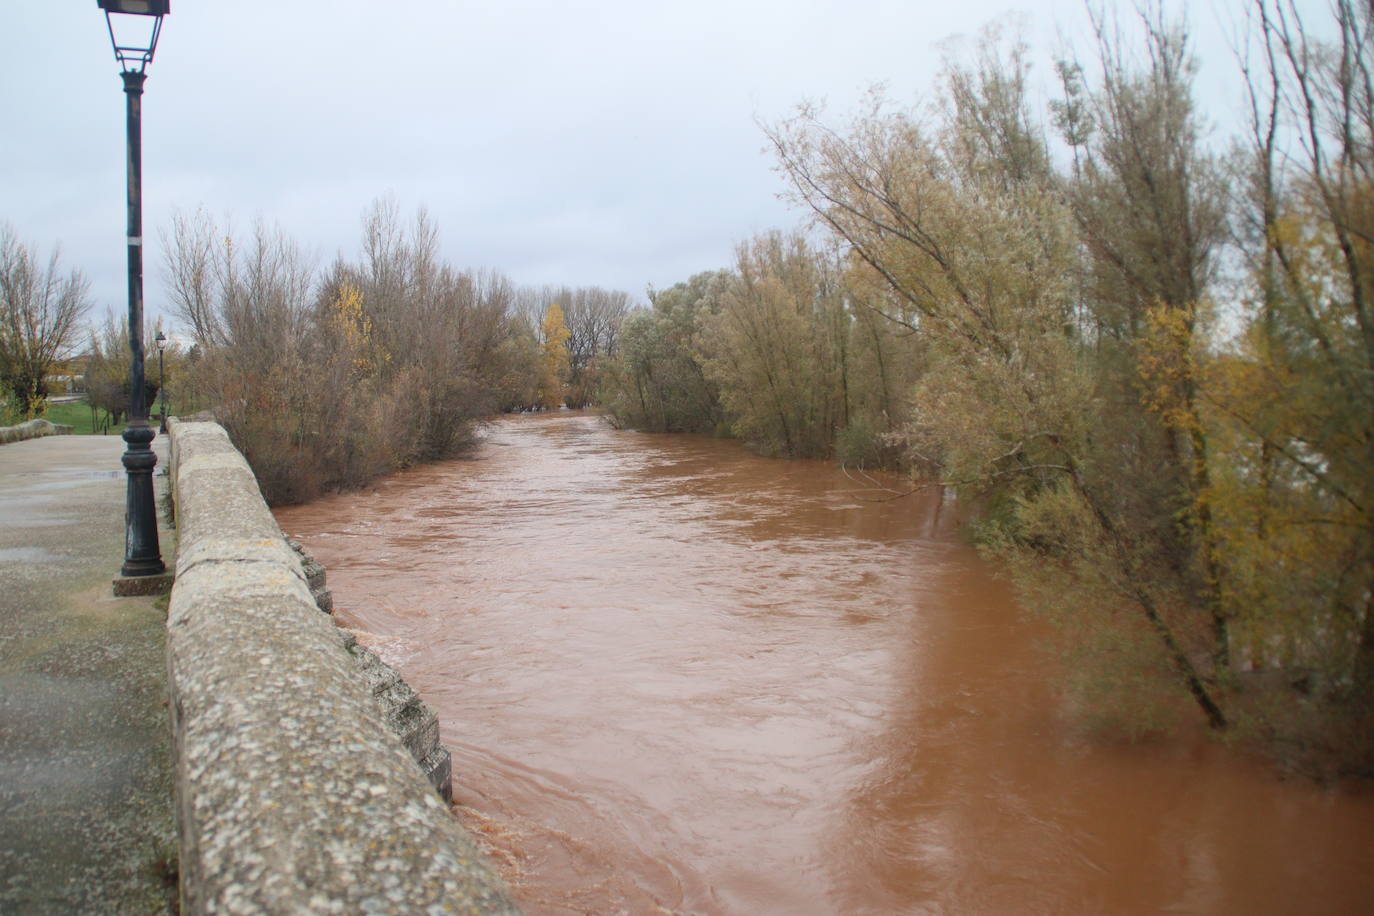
{"x":292,"y":794}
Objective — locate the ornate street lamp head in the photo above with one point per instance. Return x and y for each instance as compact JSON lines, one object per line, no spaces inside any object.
{"x":133,"y":41}
{"x":161,"y":341}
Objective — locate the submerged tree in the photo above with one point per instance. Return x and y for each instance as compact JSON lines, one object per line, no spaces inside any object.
{"x":972,"y":234}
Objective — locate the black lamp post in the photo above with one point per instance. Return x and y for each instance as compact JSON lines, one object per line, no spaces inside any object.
{"x":161,"y":341}
{"x":134,"y":43}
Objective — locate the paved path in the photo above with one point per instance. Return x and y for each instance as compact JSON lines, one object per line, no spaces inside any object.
{"x":86,"y":816}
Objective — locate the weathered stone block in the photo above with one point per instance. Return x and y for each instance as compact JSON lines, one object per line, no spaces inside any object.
{"x":406,"y":714}
{"x":314,"y":574}
{"x":439,"y":768}
{"x":313,"y":570}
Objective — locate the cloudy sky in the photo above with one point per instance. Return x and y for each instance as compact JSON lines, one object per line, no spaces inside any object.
{"x":604,"y":143}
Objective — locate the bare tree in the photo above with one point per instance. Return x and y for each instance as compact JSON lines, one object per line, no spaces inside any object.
{"x":192,"y":268}
{"x":40,"y":307}
{"x":593,"y":316}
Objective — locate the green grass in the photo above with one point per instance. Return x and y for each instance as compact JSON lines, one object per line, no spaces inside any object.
{"x":77,"y":414}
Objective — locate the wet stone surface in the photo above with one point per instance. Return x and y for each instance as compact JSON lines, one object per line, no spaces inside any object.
{"x":86,"y":822}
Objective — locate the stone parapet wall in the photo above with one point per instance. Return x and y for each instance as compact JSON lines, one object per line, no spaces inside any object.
{"x":293,"y":792}
{"x":32,"y":430}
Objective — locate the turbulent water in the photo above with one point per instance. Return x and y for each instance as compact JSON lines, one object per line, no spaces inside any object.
{"x":677,"y":677}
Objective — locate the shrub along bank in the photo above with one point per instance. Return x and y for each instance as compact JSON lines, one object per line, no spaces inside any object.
{"x":325,"y":380}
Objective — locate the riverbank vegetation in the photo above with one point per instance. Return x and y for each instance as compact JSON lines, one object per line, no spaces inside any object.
{"x":780,"y":351}
{"x":1143,"y":356}
{"x":1149,"y":360}
{"x":326,"y":379}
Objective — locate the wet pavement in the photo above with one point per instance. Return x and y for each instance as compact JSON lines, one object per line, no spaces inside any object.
{"x":86,"y":809}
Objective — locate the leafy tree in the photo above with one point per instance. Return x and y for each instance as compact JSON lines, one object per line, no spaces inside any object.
{"x":776,"y":347}
{"x":885,"y":360}
{"x":790,"y":351}
{"x":1150,"y":207}
{"x":107,"y":370}
{"x":657,"y":381}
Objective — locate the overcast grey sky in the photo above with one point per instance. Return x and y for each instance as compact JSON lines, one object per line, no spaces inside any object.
{"x":606,"y":143}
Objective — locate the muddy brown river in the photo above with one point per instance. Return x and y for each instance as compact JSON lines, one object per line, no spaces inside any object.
{"x":679,"y":678}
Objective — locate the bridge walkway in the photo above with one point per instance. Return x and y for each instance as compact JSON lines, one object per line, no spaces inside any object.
{"x":86,"y":809}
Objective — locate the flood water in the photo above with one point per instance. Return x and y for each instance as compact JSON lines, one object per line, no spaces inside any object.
{"x":677,"y":677}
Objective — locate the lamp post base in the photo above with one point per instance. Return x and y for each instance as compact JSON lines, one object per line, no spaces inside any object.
{"x":142,"y":586}
{"x":142,"y":556}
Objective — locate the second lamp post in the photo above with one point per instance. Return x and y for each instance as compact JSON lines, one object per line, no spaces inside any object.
{"x":161,"y":341}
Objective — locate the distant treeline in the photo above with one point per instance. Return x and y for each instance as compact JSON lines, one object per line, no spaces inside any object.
{"x":1149,"y":362}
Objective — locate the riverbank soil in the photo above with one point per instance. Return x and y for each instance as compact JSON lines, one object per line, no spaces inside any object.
{"x":86,"y":810}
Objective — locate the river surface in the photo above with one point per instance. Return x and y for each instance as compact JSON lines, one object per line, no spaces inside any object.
{"x":679,"y":678}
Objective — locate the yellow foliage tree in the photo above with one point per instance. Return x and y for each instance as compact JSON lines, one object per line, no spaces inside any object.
{"x":354,"y":333}
{"x":553,"y":357}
